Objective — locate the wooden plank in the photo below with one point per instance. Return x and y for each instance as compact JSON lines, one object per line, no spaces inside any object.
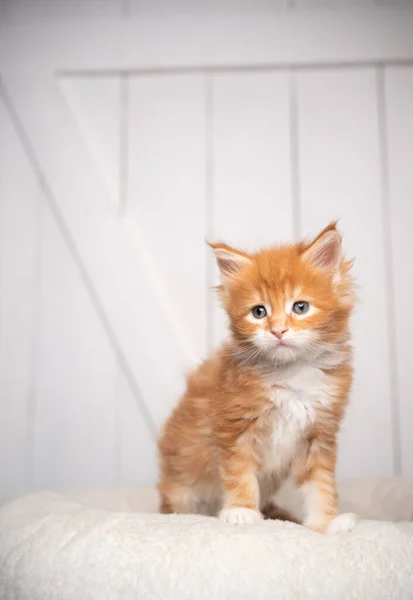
{"x":19,"y":202}
{"x":340,"y":177}
{"x":393,"y":3}
{"x":266,"y":38}
{"x":219,"y":8}
{"x":251,"y":194}
{"x":96,"y":106}
{"x":20,"y":10}
{"x":399,"y":96}
{"x":332,"y":4}
{"x":75,"y":376}
{"x":136,"y":458}
{"x":84,"y":371}
{"x":166,"y":196}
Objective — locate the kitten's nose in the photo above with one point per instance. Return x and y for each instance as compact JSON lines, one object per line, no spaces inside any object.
{"x":279,"y":331}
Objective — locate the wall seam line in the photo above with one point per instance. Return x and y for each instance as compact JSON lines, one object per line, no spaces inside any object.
{"x":123,"y":143}
{"x":245,"y":68}
{"x":31,"y":405}
{"x":388,"y":264}
{"x":295,"y":182}
{"x":209,"y":207}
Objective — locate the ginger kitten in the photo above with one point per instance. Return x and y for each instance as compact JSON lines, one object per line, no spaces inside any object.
{"x":267,"y":404}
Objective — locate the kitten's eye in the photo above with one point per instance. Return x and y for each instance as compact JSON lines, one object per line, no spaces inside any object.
{"x":301,"y":307}
{"x":259,"y":312}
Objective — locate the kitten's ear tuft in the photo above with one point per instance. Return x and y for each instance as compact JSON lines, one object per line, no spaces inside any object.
{"x":230,"y":261}
{"x":325,"y":251}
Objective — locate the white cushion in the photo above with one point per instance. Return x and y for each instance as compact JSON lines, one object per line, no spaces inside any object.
{"x":90,"y":544}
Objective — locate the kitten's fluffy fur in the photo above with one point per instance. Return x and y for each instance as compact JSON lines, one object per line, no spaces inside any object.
{"x":261,"y":409}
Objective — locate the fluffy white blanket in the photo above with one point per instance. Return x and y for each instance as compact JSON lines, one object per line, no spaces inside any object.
{"x":91,"y":544}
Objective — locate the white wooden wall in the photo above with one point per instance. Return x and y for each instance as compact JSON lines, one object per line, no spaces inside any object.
{"x":93,"y":345}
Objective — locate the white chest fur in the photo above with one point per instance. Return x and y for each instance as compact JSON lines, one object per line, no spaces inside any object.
{"x":298,"y":392}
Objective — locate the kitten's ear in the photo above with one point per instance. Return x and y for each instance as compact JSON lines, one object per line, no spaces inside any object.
{"x":325,"y":251}
{"x":230,"y":261}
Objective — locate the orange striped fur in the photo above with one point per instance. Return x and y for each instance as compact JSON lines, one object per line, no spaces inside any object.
{"x":268,"y":404}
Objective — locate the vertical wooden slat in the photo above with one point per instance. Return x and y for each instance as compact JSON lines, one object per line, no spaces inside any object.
{"x":136,"y":448}
{"x":75,"y":372}
{"x":294,"y":154}
{"x":210,"y":299}
{"x":75,"y":376}
{"x":19,"y":204}
{"x":166,"y":197}
{"x":252,"y":173}
{"x":340,"y":178}
{"x":95,"y":103}
{"x":399,"y":128}
{"x":388,"y":264}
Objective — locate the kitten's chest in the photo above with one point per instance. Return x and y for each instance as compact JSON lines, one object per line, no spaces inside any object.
{"x":297,"y":396}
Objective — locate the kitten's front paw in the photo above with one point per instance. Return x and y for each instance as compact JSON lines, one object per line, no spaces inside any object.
{"x":343,"y":523}
{"x":340,"y":524}
{"x":239,"y":516}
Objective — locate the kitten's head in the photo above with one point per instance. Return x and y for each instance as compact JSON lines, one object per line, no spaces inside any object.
{"x":287,"y":302}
